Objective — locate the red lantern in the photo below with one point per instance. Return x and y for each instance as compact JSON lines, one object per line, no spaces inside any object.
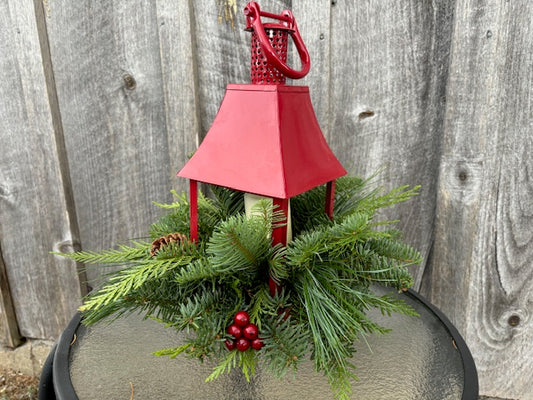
{"x":265,"y":138}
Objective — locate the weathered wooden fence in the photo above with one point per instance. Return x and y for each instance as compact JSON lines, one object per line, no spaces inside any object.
{"x":101,"y":102}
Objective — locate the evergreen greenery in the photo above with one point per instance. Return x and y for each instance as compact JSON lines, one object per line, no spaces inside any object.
{"x":326,"y":273}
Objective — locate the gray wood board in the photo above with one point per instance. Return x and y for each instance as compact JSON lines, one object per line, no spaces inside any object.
{"x":180,"y":83}
{"x":388,"y":68}
{"x":34,"y":214}
{"x":313,"y":19}
{"x":108,"y":66}
{"x":480,"y":273}
{"x":9,"y":331}
{"x":222,"y":54}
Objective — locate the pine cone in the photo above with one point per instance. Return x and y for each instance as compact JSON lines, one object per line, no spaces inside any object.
{"x":165,"y":240}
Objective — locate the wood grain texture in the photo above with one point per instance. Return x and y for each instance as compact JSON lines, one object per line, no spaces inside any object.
{"x":107,"y":64}
{"x":480,"y":272}
{"x":314,"y":23}
{"x":9,"y":331}
{"x":33,"y":208}
{"x":388,"y":72}
{"x":222,"y":54}
{"x":180,"y":84}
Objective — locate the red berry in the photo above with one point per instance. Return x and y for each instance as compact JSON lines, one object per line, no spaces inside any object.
{"x":242,"y":344}
{"x":242,"y":318}
{"x":230,"y":344}
{"x":234,"y":331}
{"x":257,"y":344}
{"x":250,"y":331}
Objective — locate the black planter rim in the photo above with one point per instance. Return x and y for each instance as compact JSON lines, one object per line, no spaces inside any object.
{"x":61,"y":366}
{"x":471,"y":385}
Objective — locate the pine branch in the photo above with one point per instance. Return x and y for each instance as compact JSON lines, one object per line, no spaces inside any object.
{"x":209,"y":215}
{"x":123,"y":255}
{"x":285,"y":344}
{"x":368,"y":266}
{"x":176,"y":221}
{"x":352,"y":194}
{"x":174,"y":351}
{"x":225,"y":366}
{"x":353,"y":230}
{"x":339,"y":380}
{"x":247,"y":361}
{"x":129,"y":280}
{"x":181,"y":201}
{"x":261,"y":304}
{"x":396,"y":195}
{"x":306,"y":249}
{"x":195,"y":308}
{"x":326,"y":272}
{"x":307,"y":211}
{"x":276,"y":263}
{"x":389,"y":304}
{"x":199,"y":271}
{"x":332,"y":326}
{"x":395,"y":250}
{"x":229,"y":202}
{"x":239,"y":243}
{"x":178,"y":249}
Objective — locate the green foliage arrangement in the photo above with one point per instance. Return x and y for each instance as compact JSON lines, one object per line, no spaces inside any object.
{"x":326,"y":272}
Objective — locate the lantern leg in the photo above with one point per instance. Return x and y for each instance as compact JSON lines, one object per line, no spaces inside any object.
{"x":279,"y":233}
{"x":330,"y":198}
{"x":279,"y":236}
{"x":193,"y":209}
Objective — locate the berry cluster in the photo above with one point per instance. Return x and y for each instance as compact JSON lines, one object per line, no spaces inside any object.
{"x":244,"y":334}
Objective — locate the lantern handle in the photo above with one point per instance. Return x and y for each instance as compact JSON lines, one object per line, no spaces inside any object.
{"x":253,"y":21}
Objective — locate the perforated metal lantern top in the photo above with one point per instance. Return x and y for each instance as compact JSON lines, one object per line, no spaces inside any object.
{"x":261,"y":71}
{"x":269,"y":46}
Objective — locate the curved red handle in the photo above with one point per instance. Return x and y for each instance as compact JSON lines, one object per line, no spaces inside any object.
{"x":253,"y":16}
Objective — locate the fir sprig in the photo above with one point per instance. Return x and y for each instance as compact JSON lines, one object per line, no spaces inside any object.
{"x":123,"y":283}
{"x":246,"y":361}
{"x":124,"y":254}
{"x":286,"y":343}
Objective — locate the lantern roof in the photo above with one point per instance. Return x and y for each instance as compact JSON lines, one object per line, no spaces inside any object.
{"x":266,"y":140}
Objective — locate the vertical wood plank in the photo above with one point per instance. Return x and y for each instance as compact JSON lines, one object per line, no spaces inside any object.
{"x":313,"y":19}
{"x":222,"y":53}
{"x":480,"y":272}
{"x":107,"y":64}
{"x":34,"y":209}
{"x":179,"y":74}
{"x":388,"y":72}
{"x":9,"y":331}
